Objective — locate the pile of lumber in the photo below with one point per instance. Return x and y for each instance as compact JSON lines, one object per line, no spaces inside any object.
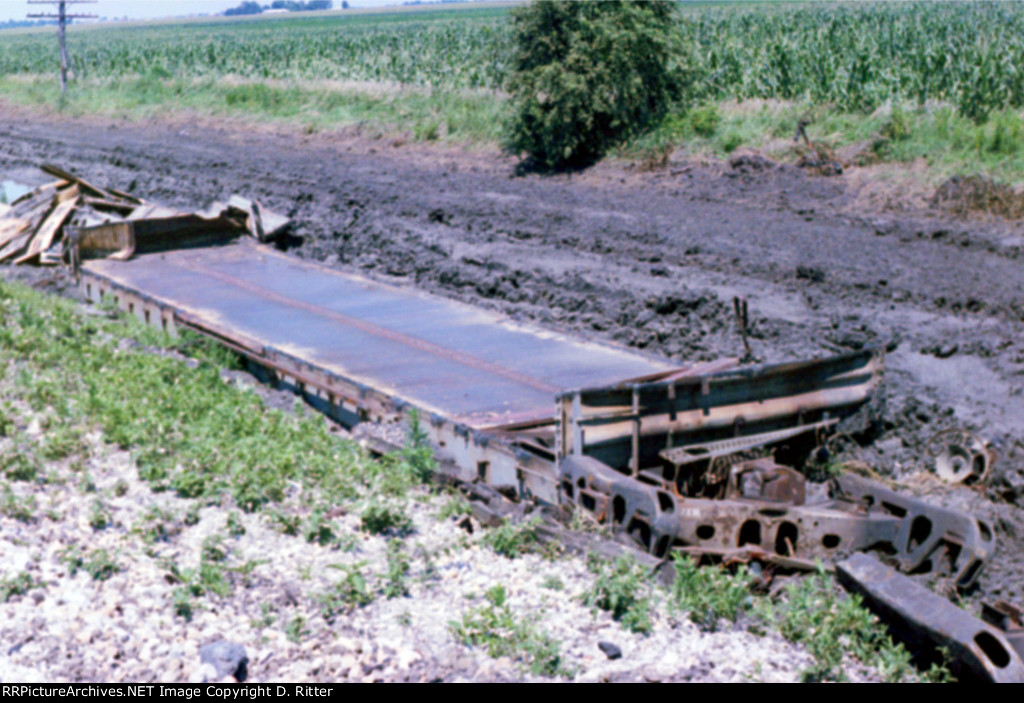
{"x":71,"y":219}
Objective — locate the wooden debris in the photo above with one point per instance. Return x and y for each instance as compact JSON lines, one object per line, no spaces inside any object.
{"x":76,"y":218}
{"x":43,"y":237}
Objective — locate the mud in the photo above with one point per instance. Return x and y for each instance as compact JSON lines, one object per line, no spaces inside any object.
{"x":646,"y":260}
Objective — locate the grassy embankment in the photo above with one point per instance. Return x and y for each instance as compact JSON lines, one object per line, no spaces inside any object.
{"x":75,"y":388}
{"x":905,"y":82}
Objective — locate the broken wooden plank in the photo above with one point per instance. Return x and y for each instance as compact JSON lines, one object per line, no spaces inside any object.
{"x":119,"y":206}
{"x":82,"y":183}
{"x":70,"y":192}
{"x":11,"y":228}
{"x":48,"y":229}
{"x":34,"y":198}
{"x":15,"y":246}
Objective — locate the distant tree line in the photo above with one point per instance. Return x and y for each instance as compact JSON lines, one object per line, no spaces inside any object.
{"x":12,"y":24}
{"x":254,"y":8}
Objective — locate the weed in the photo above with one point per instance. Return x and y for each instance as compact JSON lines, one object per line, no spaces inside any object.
{"x":17,"y":586}
{"x":494,"y":627}
{"x":191,"y":515}
{"x":7,"y":422}
{"x":418,"y":452}
{"x":553,"y":583}
{"x":513,"y":540}
{"x":731,"y":141}
{"x":708,"y":593}
{"x":897,"y":128}
{"x":209,"y":578}
{"x":121,"y":488}
{"x":704,"y":120}
{"x":621,"y":589}
{"x":317,"y":528}
{"x":86,"y":484}
{"x":296,"y":630}
{"x":15,"y":507}
{"x":396,"y":581}
{"x":428,"y":574}
{"x":349,"y":593}
{"x":234,"y":525}
{"x":100,"y":565}
{"x":456,"y":506}
{"x":284,"y":523}
{"x":19,"y":465}
{"x":99,"y":516}
{"x":63,"y":442}
{"x":378,"y":518}
{"x":156,"y":525}
{"x":246,"y":569}
{"x":213,"y":549}
{"x":181,"y":601}
{"x":266,"y":618}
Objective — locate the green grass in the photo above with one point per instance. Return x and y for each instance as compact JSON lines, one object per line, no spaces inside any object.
{"x":495,"y":627}
{"x":952,"y":70}
{"x":947,"y":141}
{"x":17,"y":585}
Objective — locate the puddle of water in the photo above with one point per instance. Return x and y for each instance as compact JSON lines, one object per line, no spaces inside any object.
{"x":12,"y":190}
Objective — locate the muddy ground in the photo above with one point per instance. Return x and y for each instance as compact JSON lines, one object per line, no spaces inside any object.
{"x":648,"y":260}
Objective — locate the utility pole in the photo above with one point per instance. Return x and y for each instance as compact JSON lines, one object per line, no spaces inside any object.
{"x":62,"y":17}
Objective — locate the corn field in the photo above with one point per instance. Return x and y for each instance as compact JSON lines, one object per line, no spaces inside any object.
{"x":853,"y":56}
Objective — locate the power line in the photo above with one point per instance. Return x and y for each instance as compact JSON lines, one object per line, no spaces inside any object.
{"x":62,"y":17}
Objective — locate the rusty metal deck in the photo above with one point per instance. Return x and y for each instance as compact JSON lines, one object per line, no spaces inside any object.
{"x":463,"y":363}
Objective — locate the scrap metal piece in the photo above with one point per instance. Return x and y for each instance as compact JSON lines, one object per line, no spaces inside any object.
{"x":743,"y":321}
{"x":926,"y":622}
{"x":765,"y":511}
{"x":929,"y":539}
{"x":1008,"y":618}
{"x":690,"y":453}
{"x":961,"y":456}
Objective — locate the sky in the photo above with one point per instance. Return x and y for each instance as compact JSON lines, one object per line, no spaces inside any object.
{"x":149,"y":9}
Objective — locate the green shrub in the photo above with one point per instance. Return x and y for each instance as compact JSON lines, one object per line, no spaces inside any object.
{"x":621,"y":589}
{"x":704,"y":120}
{"x":587,"y":75}
{"x":378,"y":518}
{"x":832,"y":626}
{"x":708,"y":594}
{"x":512,"y":540}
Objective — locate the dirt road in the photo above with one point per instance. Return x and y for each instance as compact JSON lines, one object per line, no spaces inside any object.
{"x":649,"y":260}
